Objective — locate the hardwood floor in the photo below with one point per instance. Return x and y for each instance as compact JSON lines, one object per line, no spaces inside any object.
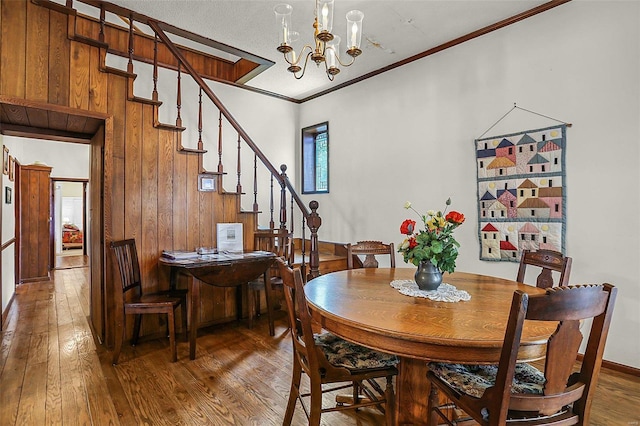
{"x":68,"y":261}
{"x":52,"y":372}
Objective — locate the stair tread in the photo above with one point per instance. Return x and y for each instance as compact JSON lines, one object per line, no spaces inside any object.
{"x":169,"y":126}
{"x":197,"y":151}
{"x":118,"y":71}
{"x":146,"y":101}
{"x":90,"y":41}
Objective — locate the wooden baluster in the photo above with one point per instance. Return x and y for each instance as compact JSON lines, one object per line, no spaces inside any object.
{"x":200,"y":144}
{"x":293,"y":247}
{"x":283,"y":197}
{"x":130,"y":64}
{"x":271,"y":223}
{"x":303,"y":249}
{"x":179,"y":99}
{"x":154,"y":95}
{"x":255,"y":182}
{"x":220,"y":168}
{"x":70,"y":3}
{"x":292,"y":210}
{"x":314,"y":223}
{"x":239,"y":185}
{"x":102,"y":21}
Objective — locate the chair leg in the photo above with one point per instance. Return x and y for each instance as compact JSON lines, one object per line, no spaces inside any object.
{"x":294,"y":392}
{"x":315,"y":409}
{"x":432,"y":414}
{"x":171,"y":319}
{"x":136,"y":329}
{"x":356,"y":394}
{"x":390,"y":406}
{"x":268,"y":295}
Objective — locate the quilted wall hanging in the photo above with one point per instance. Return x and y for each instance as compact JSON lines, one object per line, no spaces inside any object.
{"x":521,"y":192}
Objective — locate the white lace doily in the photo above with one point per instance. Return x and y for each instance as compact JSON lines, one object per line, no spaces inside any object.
{"x":444,"y":293}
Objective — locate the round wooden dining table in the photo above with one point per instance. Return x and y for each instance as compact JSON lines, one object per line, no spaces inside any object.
{"x":360,"y":305}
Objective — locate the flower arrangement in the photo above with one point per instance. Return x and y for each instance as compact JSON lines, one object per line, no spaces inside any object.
{"x":435,"y":243}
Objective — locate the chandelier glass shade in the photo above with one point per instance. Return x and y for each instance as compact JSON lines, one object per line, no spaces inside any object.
{"x":326,"y":46}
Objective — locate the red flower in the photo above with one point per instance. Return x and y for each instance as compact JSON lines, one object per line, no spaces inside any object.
{"x":412,"y":242}
{"x":407,"y":227}
{"x":454,"y":217}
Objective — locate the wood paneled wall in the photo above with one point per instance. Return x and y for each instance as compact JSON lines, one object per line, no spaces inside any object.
{"x":150,"y":189}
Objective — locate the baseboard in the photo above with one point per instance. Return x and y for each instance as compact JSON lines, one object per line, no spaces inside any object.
{"x":621,"y":368}
{"x":5,"y":314}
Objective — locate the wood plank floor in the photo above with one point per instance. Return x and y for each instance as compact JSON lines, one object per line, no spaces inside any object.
{"x":52,"y":372}
{"x":67,"y":261}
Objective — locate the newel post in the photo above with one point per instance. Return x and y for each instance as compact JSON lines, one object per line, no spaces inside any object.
{"x":314,"y":222}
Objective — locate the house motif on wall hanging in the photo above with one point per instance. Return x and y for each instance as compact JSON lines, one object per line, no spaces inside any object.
{"x":521,"y":193}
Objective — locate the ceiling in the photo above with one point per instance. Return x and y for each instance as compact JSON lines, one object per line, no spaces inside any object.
{"x":393,"y":31}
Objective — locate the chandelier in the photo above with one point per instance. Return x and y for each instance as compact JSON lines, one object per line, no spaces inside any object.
{"x":326,"y":47}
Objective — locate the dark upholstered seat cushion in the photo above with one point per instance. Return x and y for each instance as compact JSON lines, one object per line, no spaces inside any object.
{"x":473,"y":380}
{"x":341,"y":353}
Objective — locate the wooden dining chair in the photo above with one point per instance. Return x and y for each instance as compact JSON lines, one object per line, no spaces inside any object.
{"x":548,"y":260}
{"x":329,"y":360}
{"x":370,"y":249}
{"x":519,"y":393}
{"x":130,"y":299}
{"x":280,"y":242}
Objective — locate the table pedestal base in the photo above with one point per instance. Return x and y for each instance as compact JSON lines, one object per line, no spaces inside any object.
{"x":412,"y":392}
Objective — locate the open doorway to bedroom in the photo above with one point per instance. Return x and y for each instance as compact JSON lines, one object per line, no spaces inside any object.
{"x":69,"y":222}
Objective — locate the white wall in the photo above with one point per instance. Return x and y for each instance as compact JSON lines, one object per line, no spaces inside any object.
{"x":8,"y":231}
{"x":69,"y":160}
{"x":408,"y":135}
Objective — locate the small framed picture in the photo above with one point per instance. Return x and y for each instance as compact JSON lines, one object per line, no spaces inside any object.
{"x":230,"y":237}
{"x":206,"y":182}
{"x":5,"y":160}
{"x":7,"y":195}
{"x":12,"y":164}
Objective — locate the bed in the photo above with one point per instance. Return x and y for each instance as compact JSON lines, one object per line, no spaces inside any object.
{"x":71,"y":237}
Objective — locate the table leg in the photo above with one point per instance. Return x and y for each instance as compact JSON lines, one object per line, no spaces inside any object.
{"x":194,"y":298}
{"x":412,"y":392}
{"x":268,"y":295}
{"x":173,"y":278}
{"x":239,"y":301}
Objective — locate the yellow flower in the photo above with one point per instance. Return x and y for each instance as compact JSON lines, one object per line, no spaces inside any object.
{"x":436,"y":222}
{"x":407,"y":205}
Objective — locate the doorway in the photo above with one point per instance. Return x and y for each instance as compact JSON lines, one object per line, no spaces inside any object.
{"x":69,"y":223}
{"x":62,"y":126}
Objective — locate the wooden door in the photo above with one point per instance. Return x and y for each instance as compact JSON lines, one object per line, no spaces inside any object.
{"x":35,"y":218}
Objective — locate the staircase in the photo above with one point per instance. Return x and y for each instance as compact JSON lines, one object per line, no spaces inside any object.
{"x":110,"y":78}
{"x":159,"y":50}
